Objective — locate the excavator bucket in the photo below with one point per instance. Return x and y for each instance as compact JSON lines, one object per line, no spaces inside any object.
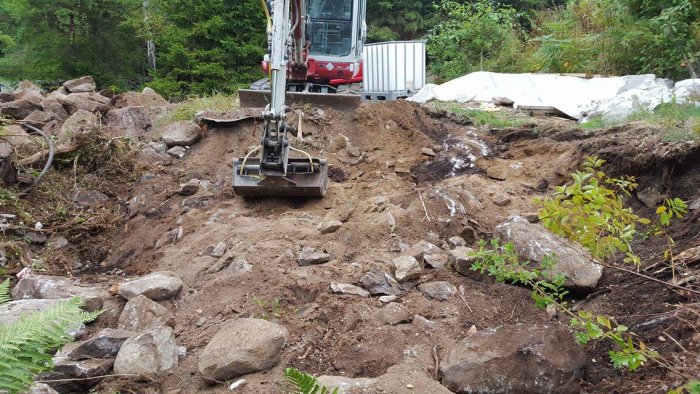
{"x":305,"y":178}
{"x":251,"y":98}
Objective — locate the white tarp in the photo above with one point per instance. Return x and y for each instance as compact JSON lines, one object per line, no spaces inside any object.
{"x":613,"y":98}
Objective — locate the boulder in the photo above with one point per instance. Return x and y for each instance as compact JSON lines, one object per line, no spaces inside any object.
{"x":90,"y":102}
{"x":436,"y":261}
{"x":6,"y":97}
{"x":131,"y":122}
{"x":53,"y":287}
{"x":461,"y":260}
{"x":105,"y":344}
{"x":380,"y":283}
{"x":190,"y":188}
{"x":157,"y":286}
{"x":534,"y":242}
{"x":419,"y":250}
{"x":18,"y":109}
{"x":148,"y":98}
{"x":403,"y":378}
{"x":141,"y":314}
{"x":53,"y":106}
{"x":27,"y":86}
{"x":406,"y":268}
{"x":181,"y":134}
{"x":74,"y":376}
{"x":312,"y":256}
{"x":154,"y":352}
{"x":440,"y":291}
{"x":177,"y":152}
{"x":81,"y":85}
{"x":39,"y":118}
{"x":518,"y":358}
{"x":33,"y":97}
{"x":13,"y":310}
{"x":80,"y":122}
{"x":393,"y":314}
{"x":21,"y":140}
{"x":241,"y":347}
{"x":345,"y":288}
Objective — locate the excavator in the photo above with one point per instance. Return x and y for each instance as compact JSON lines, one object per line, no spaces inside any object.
{"x":315,"y":56}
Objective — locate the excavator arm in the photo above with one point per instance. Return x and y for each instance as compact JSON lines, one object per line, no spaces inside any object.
{"x":275,"y":173}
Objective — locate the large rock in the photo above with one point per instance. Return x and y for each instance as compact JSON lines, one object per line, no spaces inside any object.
{"x":157,"y":286}
{"x":406,"y":268}
{"x":154,"y":352}
{"x":346,"y":288}
{"x":393,"y":314}
{"x":534,"y":242}
{"x":105,"y":344}
{"x":53,"y":287}
{"x":312,"y":256}
{"x":80,"y":122}
{"x":129,"y":121}
{"x":91,"y":102}
{"x":440,"y":291}
{"x":181,"y":134}
{"x":148,"y":98}
{"x":422,"y":248}
{"x":405,"y":378}
{"x":53,"y":106}
{"x":518,"y":358}
{"x":81,"y":85}
{"x":241,"y":347}
{"x":141,"y":314}
{"x":27,"y":86}
{"x":75,"y":376}
{"x":380,"y":283}
{"x":18,"y":109}
{"x":13,"y":310}
{"x":40,"y":118}
{"x":33,"y":97}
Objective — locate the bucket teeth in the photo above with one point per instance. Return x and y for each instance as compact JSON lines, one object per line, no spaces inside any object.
{"x":304,"y":179}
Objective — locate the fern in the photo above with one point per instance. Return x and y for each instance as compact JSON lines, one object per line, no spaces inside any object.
{"x":27,"y":345}
{"x":5,"y":291}
{"x":303,"y":383}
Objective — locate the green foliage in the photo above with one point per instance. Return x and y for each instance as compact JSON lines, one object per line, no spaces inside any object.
{"x":302,"y":383}
{"x":627,"y":353}
{"x":498,"y":119}
{"x":503,"y":263}
{"x":474,"y":36}
{"x":692,"y":387}
{"x":204,"y":46}
{"x":27,"y":345}
{"x":187,"y":109}
{"x":591,"y":212}
{"x":399,"y":20}
{"x":678,"y":119}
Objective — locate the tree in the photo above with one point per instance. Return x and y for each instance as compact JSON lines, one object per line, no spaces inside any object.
{"x":62,"y":39}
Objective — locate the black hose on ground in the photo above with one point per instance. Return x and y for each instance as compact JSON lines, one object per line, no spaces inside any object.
{"x":49,"y":162}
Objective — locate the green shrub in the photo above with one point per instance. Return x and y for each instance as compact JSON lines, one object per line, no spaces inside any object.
{"x":474,"y":36}
{"x":27,"y":345}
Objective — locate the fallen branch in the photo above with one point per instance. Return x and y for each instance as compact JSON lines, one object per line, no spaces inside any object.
{"x":39,"y":156}
{"x":424,"y":208}
{"x":651,"y":278}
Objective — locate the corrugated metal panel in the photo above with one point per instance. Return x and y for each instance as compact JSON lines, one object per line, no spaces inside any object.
{"x":394,"y":67}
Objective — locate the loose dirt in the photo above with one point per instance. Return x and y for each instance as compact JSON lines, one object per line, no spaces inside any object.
{"x":389,"y":195}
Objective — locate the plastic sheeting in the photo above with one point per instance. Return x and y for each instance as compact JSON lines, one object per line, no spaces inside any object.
{"x":613,"y":98}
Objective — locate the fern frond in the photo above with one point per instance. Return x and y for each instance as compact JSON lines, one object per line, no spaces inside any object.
{"x":303,"y":383}
{"x":5,"y":291}
{"x":27,"y":345}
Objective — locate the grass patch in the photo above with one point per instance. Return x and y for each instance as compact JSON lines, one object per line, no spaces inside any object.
{"x":498,"y":119}
{"x":682,"y":122}
{"x":187,"y":109}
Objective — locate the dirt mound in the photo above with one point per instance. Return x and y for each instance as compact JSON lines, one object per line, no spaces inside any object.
{"x":400,"y":173}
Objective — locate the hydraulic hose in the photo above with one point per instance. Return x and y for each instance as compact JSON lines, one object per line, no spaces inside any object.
{"x":49,"y":162}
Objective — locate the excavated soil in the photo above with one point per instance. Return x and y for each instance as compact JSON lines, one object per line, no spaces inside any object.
{"x":389,"y":193}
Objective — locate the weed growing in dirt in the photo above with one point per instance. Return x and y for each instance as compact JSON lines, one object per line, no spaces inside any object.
{"x":504,"y":265}
{"x":187,"y":109}
{"x":303,"y":383}
{"x":591,"y":212}
{"x":27,"y":345}
{"x":680,"y":121}
{"x":497,"y":119}
{"x":272,"y":308}
{"x":692,"y":387}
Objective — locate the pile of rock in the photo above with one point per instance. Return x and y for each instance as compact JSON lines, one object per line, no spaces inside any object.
{"x":142,"y":343}
{"x":77,"y":107}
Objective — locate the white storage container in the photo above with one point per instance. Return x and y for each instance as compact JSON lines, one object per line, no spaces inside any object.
{"x":393,"y":69}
